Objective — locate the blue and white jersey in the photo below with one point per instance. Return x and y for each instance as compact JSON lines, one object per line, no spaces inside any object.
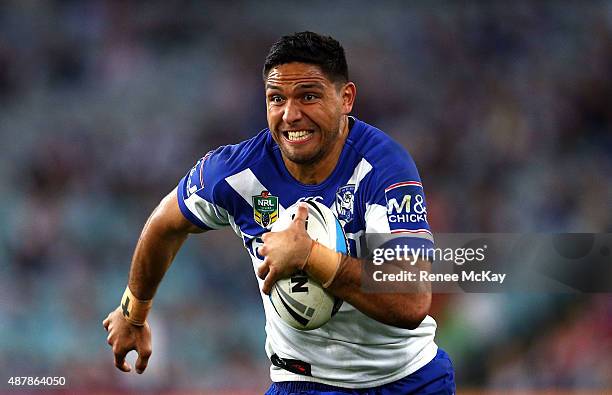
{"x":375,"y":188}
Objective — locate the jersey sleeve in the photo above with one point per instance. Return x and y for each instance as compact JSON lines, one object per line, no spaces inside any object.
{"x":197,"y":197}
{"x":395,"y":203}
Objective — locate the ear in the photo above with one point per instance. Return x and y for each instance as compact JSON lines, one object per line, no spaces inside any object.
{"x":348,"y":93}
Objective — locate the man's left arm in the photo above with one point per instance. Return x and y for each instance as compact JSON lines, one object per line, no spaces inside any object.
{"x":404,"y":308}
{"x":292,"y":249}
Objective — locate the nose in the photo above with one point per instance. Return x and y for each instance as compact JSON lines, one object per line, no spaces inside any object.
{"x":292,"y":112}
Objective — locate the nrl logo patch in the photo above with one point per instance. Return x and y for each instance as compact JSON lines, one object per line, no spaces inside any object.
{"x":344,"y":202}
{"x":265,"y":209}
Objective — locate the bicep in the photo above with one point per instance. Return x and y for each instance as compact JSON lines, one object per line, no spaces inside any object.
{"x":169,"y":213}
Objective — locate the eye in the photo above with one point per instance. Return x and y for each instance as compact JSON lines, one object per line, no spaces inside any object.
{"x":276,"y":99}
{"x":309,"y":97}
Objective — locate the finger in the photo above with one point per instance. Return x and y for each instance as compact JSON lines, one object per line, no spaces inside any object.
{"x":262,"y":271}
{"x":262,"y":250}
{"x":143,"y":359}
{"x":301,"y":214}
{"x":120,"y":362}
{"x":269,"y":282}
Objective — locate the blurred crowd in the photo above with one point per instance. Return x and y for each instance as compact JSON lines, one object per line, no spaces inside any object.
{"x":105,"y":105}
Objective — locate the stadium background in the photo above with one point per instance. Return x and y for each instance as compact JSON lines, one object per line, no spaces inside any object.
{"x":105,"y":105}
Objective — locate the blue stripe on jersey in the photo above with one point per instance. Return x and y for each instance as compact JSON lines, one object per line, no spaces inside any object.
{"x":421,"y":248}
{"x":340,"y":239}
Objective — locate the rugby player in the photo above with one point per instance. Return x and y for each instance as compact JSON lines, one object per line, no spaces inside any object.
{"x":379,"y":343}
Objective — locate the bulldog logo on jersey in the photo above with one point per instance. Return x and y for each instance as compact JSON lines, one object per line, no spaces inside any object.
{"x":344,"y":202}
{"x":265,"y":209}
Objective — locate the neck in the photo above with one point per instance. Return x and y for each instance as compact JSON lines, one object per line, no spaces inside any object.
{"x":318,"y":172}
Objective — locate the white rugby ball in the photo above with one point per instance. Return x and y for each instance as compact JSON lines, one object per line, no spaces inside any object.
{"x":299,"y":300}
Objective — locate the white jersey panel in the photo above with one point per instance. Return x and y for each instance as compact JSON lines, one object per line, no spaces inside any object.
{"x":247,"y":185}
{"x":214,"y":216}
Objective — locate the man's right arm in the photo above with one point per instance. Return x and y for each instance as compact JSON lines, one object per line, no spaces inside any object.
{"x":162,"y":236}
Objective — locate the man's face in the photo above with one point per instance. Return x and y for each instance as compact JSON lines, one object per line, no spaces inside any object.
{"x":305,"y":110}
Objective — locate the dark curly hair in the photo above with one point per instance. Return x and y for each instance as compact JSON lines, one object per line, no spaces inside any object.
{"x":311,"y":48}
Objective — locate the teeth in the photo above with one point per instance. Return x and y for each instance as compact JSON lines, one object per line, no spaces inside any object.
{"x":298,"y":135}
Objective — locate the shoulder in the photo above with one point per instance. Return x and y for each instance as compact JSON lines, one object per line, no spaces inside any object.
{"x":217,"y":165}
{"x":385,"y":155}
{"x":393,"y":195}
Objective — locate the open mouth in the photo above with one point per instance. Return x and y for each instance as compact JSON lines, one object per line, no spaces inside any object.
{"x":298,"y":136}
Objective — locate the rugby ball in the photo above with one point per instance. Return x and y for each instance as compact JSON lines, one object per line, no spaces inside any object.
{"x":299,"y":300}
